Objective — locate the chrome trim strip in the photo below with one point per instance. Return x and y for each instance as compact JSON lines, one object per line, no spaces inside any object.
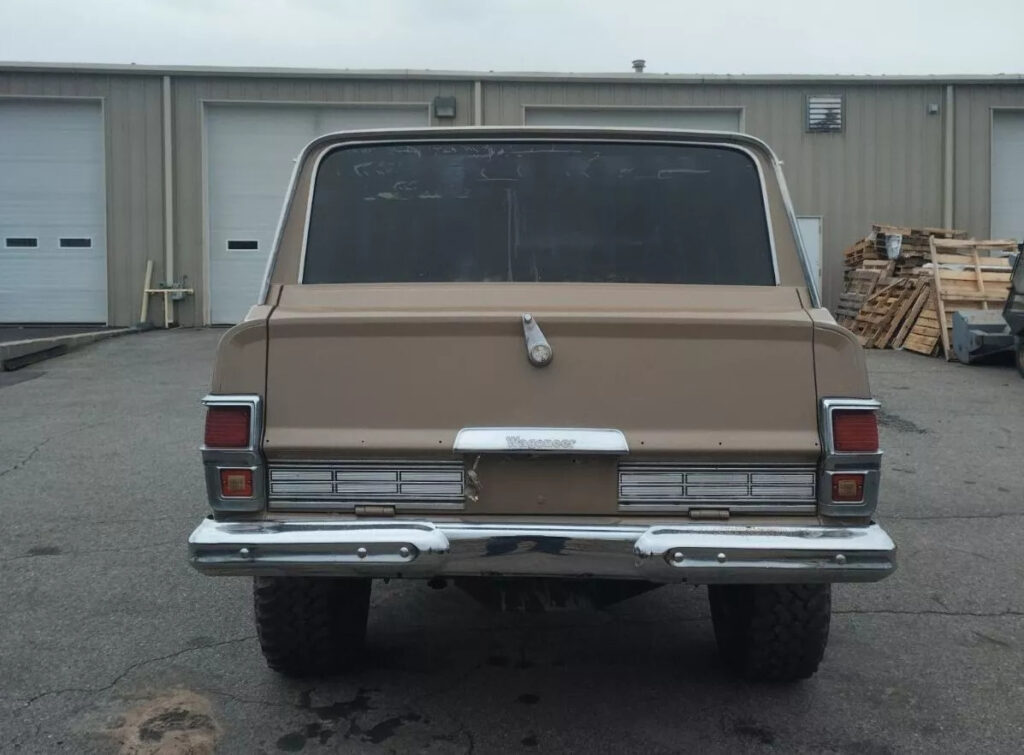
{"x":794,"y":226}
{"x":696,"y":553}
{"x":611,"y":138}
{"x":341,"y":485}
{"x":665,"y":486}
{"x":540,"y":440}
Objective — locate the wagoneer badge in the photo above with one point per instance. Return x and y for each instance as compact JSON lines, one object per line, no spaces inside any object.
{"x":533,"y":440}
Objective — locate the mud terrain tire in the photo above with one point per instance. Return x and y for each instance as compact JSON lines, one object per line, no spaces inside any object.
{"x":771,"y":633}
{"x":311,"y":626}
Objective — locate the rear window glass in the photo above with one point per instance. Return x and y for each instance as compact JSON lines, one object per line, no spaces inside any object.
{"x":559,"y":212}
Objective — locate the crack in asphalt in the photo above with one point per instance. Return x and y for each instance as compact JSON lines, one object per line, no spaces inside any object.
{"x":930,"y":612}
{"x":163,"y":544}
{"x":27,"y":459}
{"x":928,"y":517}
{"x":138,"y":664}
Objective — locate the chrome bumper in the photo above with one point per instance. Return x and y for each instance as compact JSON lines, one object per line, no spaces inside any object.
{"x":695,"y":553}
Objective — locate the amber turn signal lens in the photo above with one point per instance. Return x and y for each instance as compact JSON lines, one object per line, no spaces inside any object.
{"x":236,"y":483}
{"x":847,"y":488}
{"x":854,"y":431}
{"x":227,"y":427}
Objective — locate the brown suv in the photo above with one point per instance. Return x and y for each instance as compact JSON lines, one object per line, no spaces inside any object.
{"x":543,"y":364}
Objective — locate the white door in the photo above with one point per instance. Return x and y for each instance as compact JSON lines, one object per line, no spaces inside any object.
{"x":251,"y":150}
{"x":1008,"y":174}
{"x":810,"y":233}
{"x":724,"y":119}
{"x":53,"y":246}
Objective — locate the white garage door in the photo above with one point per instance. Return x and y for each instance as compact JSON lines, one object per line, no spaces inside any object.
{"x":1008,"y":174}
{"x":53,"y":246}
{"x":725,"y":119}
{"x":250,"y":154}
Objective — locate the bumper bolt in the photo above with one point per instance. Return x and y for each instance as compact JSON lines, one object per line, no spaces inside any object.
{"x":840,"y":559}
{"x":361,"y":552}
{"x":721,"y":558}
{"x":243,"y":552}
{"x":403,"y":552}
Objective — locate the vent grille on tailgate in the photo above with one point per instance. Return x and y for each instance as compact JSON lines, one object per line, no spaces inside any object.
{"x":677,"y":486}
{"x":343,"y":485}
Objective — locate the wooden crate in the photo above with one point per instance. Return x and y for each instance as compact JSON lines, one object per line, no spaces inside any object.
{"x":967,"y":276}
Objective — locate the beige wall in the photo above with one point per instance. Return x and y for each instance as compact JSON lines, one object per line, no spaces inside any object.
{"x":972,"y":177}
{"x":131,"y":115}
{"x":189,"y":181}
{"x":886,"y":166}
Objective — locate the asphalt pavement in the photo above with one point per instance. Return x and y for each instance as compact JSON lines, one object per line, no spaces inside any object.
{"x":110,"y":642}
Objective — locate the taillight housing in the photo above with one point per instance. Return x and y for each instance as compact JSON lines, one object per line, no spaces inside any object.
{"x":227,"y":426}
{"x":236,"y":483}
{"x":848,"y":477}
{"x":233,"y":461}
{"x":854,"y":431}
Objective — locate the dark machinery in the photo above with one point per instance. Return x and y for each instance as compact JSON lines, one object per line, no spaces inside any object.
{"x":979,"y":333}
{"x":1013,"y":310}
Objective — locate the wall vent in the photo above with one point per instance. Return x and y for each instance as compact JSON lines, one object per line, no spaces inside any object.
{"x":824,"y":113}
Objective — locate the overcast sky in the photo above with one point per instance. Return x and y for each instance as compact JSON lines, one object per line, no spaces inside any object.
{"x":675,"y":36}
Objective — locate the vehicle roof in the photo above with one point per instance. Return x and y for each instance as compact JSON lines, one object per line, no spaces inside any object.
{"x":596,"y":133}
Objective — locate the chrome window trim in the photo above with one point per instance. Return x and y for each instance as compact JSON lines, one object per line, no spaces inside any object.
{"x":610,"y":139}
{"x":562,"y":440}
{"x":805,"y":263}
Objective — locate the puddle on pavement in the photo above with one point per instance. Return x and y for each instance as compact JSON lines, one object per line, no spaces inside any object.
{"x":178,"y":722}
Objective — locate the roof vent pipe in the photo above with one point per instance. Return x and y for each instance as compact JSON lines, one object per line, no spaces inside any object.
{"x":639,"y":64}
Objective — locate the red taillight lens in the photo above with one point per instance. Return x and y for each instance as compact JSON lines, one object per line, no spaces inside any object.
{"x":854,"y":431}
{"x":227,"y":427}
{"x":848,"y":488}
{"x":236,"y":483}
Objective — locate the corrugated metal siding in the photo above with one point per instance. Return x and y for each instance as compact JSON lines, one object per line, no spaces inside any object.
{"x":131,"y":113}
{"x":972,"y":166}
{"x":886,"y":165}
{"x":189,"y":93}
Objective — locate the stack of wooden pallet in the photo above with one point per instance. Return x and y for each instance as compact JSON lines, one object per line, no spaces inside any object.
{"x":907,"y":302}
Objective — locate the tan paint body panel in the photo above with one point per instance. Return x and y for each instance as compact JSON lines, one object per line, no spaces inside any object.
{"x":709,"y":374}
{"x":401,"y":368}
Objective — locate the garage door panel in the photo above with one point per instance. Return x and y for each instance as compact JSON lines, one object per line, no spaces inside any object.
{"x":1007,"y":172}
{"x":714,"y":119}
{"x":52,"y":188}
{"x":251,"y":151}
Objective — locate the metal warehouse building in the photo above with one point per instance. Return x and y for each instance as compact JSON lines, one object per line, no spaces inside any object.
{"x":105,"y":167}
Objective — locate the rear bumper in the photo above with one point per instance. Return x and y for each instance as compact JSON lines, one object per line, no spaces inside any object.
{"x":695,"y":553}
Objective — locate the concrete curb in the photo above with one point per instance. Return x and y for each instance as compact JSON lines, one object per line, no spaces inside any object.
{"x":17,"y":354}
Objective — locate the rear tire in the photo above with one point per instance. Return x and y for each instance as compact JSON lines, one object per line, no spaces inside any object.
{"x":771,"y":633}
{"x":311,"y":626}
{"x":1020,"y":358}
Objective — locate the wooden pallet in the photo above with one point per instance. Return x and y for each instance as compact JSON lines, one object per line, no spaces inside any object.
{"x":924,"y":335}
{"x":855,"y":254}
{"x":873,"y":323}
{"x":860,"y":285}
{"x":962,"y":280}
{"x":922,"y":295}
